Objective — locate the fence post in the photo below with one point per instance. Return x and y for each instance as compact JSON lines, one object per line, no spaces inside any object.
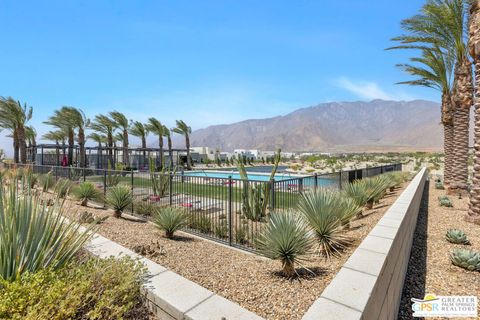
{"x":132,"y":180}
{"x":315,"y":182}
{"x":230,"y":231}
{"x":300,"y":185}
{"x":170,"y":188}
{"x":340,"y":180}
{"x":84,"y":175}
{"x":56,"y":173}
{"x":104,"y":185}
{"x":272,"y":190}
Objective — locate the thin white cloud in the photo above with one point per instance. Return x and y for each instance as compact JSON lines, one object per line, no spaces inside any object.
{"x":364,"y":89}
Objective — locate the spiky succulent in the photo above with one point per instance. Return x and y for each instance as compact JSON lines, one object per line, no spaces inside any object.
{"x":119,"y":198}
{"x":86,"y":191}
{"x":445,"y":201}
{"x":170,"y":220}
{"x":467,"y":259}
{"x":62,"y":188}
{"x":457,"y":236}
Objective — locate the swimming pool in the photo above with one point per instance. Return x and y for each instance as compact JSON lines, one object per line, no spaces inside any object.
{"x":236,"y":175}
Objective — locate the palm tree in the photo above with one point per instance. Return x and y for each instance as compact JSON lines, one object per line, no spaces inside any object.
{"x":442,"y":23}
{"x":433,"y":69}
{"x":156,"y":127}
{"x":99,"y":139}
{"x":166,"y":133}
{"x":185,"y":131}
{"x":77,"y":119}
{"x":121,"y":122}
{"x":61,"y":120}
{"x":57,"y":136}
{"x":14,"y":116}
{"x":138,"y":129}
{"x":104,"y":125}
{"x":474,"y":49}
{"x":31,"y":136}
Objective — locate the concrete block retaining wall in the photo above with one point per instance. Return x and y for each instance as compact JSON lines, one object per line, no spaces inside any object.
{"x":370,"y":283}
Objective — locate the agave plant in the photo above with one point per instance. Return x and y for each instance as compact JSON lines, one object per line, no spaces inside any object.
{"x":457,"y":236}
{"x":287,"y":238}
{"x":62,"y":188}
{"x":119,"y":198}
{"x":34,"y":236}
{"x":170,"y":220}
{"x":47,"y":181}
{"x":86,"y":191}
{"x":467,"y":259}
{"x":326,"y":213}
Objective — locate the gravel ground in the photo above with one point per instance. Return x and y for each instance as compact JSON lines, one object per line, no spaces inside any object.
{"x":430,"y":269}
{"x":247,"y":279}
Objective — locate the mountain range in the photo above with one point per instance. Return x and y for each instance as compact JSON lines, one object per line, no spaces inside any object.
{"x":377,"y":125}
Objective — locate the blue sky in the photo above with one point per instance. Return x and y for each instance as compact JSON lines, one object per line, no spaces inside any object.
{"x":206,"y":62}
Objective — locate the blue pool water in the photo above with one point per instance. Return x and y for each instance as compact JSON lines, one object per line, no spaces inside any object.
{"x":236,"y":175}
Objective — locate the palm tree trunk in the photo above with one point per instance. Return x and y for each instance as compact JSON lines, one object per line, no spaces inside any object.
{"x":57,"y":152}
{"x":170,"y":152}
{"x":22,"y":144}
{"x":71,"y":144}
{"x":16,"y":148}
{"x":474,"y":208}
{"x":144,"y":153}
{"x":125,"y":148}
{"x":160,"y":145}
{"x":34,"y":149}
{"x":187,"y":145}
{"x":110,"y":148}
{"x":448,"y":147}
{"x":463,"y":100}
{"x":81,"y":144}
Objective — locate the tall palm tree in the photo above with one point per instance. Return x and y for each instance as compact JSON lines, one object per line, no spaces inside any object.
{"x":31,"y":136}
{"x":442,"y":23}
{"x":57,"y":136}
{"x":167,"y":134}
{"x":183,"y":129}
{"x":78,"y":120}
{"x":138,"y":129}
{"x":433,"y":69}
{"x":156,"y":127}
{"x":61,"y":120}
{"x":121,"y":122}
{"x":14,"y":117}
{"x":99,"y":139}
{"x":474,"y":50}
{"x":104,"y":125}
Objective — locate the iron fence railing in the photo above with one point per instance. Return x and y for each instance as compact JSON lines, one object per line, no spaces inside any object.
{"x":227,"y":210}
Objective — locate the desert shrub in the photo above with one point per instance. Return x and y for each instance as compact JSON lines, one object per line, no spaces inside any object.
{"x":62,"y":188}
{"x":325,"y":212}
{"x":92,"y":289}
{"x":145,"y":208}
{"x":201,"y":223}
{"x":445,"y":201}
{"x":86,"y":191}
{"x":286,"y":238}
{"x":457,"y":236}
{"x":241,"y":233}
{"x":119,"y":198}
{"x":467,"y":259}
{"x":34,"y":236}
{"x":221,"y":229}
{"x":170,"y":220}
{"x":47,"y":181}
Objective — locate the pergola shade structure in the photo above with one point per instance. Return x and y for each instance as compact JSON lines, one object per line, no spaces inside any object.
{"x":103,"y":157}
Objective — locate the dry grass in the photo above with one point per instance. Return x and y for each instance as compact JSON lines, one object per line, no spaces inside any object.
{"x":247,"y":279}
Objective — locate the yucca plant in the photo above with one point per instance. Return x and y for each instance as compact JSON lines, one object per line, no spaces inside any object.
{"x":62,"y":188}
{"x":325,"y":214}
{"x":34,"y":236}
{"x":86,"y":191}
{"x":375,"y":189}
{"x":47,"y":181}
{"x":29,"y":178}
{"x":170,"y":220}
{"x":456,"y":236}
{"x":356,"y":191}
{"x":119,"y":198}
{"x":287,"y":238}
{"x":467,"y":259}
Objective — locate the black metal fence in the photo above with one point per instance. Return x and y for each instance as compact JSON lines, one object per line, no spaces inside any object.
{"x":226,"y":209}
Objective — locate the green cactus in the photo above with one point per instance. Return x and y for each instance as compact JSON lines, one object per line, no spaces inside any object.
{"x":445,"y":201}
{"x":457,"y":236}
{"x":467,"y":259}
